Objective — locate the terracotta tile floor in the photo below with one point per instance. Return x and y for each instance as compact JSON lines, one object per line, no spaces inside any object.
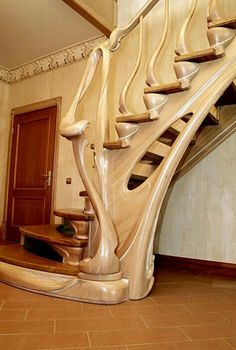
{"x":185,"y":311}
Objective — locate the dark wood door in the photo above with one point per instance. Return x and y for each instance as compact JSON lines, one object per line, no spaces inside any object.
{"x":30,"y":183}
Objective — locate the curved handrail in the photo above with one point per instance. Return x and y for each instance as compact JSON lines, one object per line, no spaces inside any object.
{"x":119,"y":33}
{"x":151,"y":80}
{"x":85,"y":82}
{"x":122,"y":102}
{"x":181,"y":46}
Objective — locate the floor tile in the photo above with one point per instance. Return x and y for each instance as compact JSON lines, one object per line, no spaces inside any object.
{"x":15,"y":327}
{"x":43,"y":341}
{"x":196,"y":345}
{"x":221,"y":330}
{"x":101,"y":324}
{"x":135,"y":337}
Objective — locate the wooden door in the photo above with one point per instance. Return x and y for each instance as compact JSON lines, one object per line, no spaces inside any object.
{"x":31,"y":170}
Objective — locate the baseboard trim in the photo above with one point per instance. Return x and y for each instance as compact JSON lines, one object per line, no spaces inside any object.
{"x":206,"y":266}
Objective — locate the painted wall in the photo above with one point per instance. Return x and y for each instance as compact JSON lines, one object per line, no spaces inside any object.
{"x":4,"y":138}
{"x":200,"y":216}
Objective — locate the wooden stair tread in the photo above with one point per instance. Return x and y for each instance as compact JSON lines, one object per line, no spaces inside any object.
{"x":15,"y":254}
{"x":49,"y":234}
{"x":113,"y":145}
{"x":201,"y":56}
{"x":229,"y":22}
{"x":157,"y":152}
{"x":83,"y":194}
{"x":135,"y":118}
{"x":142,"y":171}
{"x":169,"y":88}
{"x":73,"y":214}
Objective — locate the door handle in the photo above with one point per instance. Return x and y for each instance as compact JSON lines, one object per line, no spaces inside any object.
{"x":48,"y":177}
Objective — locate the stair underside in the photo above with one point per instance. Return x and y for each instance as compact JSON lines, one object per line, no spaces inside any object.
{"x":229,"y":22}
{"x":201,"y":56}
{"x":15,"y":254}
{"x":73,"y":214}
{"x":49,"y":234}
{"x":208,"y":139}
{"x":169,"y":88}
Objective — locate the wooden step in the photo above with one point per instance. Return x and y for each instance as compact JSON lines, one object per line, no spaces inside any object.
{"x":113,"y":145}
{"x":212,"y":117}
{"x":83,"y":194}
{"x":177,"y":127}
{"x":169,"y":88}
{"x":136,"y":118}
{"x":229,"y":22}
{"x":202,"y":55}
{"x":49,"y":234}
{"x":157,"y":152}
{"x":73,"y":214}
{"x":15,"y":254}
{"x":142,"y":171}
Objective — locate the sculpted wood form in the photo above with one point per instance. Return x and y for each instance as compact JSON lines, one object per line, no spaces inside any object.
{"x":117,"y":263}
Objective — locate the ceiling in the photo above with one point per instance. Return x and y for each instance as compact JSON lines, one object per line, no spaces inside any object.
{"x":30,"y":29}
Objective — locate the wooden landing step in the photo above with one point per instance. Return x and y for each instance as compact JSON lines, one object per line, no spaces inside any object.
{"x":73,"y":214}
{"x":169,"y":88}
{"x":229,"y":22}
{"x":202,"y":55}
{"x":136,"y":118}
{"x":49,"y":234}
{"x":15,"y":254}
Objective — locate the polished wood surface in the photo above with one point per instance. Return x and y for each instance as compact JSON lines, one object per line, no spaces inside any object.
{"x":17,"y":255}
{"x":73,"y":214}
{"x":113,"y":145}
{"x":229,"y":22}
{"x":30,"y":185}
{"x":49,"y":234}
{"x":169,"y":88}
{"x":200,"y":56}
{"x":137,"y":118}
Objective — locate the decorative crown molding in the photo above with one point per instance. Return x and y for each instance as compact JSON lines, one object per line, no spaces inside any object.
{"x":4,"y":75}
{"x":57,"y":59}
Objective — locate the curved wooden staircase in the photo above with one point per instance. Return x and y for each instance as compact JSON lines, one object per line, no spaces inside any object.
{"x":108,"y":256}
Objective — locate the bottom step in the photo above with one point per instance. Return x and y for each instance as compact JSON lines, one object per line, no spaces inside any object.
{"x":16,"y":254}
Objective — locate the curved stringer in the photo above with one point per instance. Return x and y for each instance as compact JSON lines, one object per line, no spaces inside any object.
{"x":104,"y":263}
{"x":198,"y":107}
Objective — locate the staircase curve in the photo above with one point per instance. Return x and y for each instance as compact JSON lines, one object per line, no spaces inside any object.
{"x":119,"y":262}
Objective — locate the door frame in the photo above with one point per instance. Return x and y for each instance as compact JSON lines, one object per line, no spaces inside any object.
{"x":52,"y":102}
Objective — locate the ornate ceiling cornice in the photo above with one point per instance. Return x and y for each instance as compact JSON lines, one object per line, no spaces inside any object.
{"x":55,"y":60}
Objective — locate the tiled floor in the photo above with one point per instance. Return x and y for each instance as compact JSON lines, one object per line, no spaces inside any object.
{"x":185,"y":311}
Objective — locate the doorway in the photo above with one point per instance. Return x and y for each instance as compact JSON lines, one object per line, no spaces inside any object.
{"x":31,"y":170}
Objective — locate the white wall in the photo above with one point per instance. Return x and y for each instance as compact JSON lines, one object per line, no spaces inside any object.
{"x":200,"y":217}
